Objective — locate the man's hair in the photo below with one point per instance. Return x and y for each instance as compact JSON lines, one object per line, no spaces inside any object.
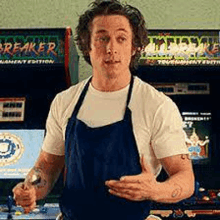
{"x":113,"y":7}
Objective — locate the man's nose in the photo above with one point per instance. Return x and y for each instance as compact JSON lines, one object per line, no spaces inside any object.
{"x":111,"y":47}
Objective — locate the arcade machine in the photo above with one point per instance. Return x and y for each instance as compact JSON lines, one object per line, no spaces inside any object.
{"x":35,"y":64}
{"x":185,"y":65}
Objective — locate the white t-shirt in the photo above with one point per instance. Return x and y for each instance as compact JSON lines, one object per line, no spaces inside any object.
{"x":157,"y":123}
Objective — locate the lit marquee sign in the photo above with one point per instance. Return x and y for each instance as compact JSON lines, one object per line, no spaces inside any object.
{"x":179,"y":47}
{"x":31,"y":47}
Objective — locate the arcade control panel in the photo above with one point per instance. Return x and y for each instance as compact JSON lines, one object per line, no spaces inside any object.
{"x":46,"y":211}
{"x":204,"y":204}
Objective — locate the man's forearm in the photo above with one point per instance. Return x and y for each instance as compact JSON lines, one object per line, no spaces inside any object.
{"x":42,"y":182}
{"x":45,"y":173}
{"x":176,"y":188}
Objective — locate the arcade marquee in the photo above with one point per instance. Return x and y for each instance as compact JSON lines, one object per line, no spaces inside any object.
{"x":182,"y":47}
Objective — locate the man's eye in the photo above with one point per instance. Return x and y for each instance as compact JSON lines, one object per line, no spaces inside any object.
{"x":121,"y":39}
{"x":103,"y":39}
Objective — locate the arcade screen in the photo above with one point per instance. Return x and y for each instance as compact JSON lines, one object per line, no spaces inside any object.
{"x":197,"y":127}
{"x":19,"y":150}
{"x":195,"y":106}
{"x":196,"y":112}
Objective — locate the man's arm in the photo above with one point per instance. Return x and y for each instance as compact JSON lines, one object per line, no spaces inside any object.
{"x":179,"y":185}
{"x":39,"y":181}
{"x":49,"y":167}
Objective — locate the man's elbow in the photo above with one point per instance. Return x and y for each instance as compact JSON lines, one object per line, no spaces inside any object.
{"x":190,"y":185}
{"x":188,"y":189}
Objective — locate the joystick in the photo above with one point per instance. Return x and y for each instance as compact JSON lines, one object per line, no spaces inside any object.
{"x":205,"y":198}
{"x":197,"y":186}
{"x":10,"y":202}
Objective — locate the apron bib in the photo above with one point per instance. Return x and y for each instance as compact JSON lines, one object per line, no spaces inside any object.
{"x":94,"y":155}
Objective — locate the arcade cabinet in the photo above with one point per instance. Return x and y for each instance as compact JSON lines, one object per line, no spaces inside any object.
{"x":35,"y":65}
{"x":185,"y":65}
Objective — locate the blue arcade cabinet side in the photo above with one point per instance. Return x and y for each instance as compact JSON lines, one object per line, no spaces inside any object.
{"x":35,"y":65}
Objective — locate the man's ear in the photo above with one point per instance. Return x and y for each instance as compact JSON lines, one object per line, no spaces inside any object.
{"x":133,"y":52}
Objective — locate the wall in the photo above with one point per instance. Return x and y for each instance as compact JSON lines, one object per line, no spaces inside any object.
{"x":159,"y":14}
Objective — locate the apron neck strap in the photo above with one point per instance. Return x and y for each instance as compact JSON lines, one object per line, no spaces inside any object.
{"x":83,"y":94}
{"x":130,"y":90}
{"x":81,"y":98}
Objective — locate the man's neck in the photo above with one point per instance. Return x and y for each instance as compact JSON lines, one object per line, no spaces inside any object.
{"x":108,"y":84}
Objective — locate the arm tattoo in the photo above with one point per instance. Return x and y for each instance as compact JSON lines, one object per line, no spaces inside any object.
{"x":37,"y":178}
{"x":177,"y":191}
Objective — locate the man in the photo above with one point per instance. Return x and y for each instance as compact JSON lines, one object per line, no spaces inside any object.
{"x":114,"y":131}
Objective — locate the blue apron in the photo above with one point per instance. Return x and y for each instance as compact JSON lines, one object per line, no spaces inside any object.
{"x":94,"y":155}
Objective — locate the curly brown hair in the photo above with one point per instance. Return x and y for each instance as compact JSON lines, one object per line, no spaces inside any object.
{"x":113,"y":7}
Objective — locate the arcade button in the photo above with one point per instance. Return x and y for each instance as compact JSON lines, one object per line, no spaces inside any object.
{"x":205,"y":198}
{"x":36,"y":210}
{"x":212,"y":195}
{"x":44,"y":210}
{"x":153,"y":217}
{"x":3,"y":208}
{"x":178,"y":213}
{"x":201,"y":189}
{"x":18,"y":213}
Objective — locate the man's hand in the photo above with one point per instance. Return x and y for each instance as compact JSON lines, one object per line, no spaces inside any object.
{"x":136,"y":188}
{"x":25,"y":196}
{"x":39,"y":181}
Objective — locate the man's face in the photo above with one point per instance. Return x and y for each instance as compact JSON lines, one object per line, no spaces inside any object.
{"x":111,"y":45}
